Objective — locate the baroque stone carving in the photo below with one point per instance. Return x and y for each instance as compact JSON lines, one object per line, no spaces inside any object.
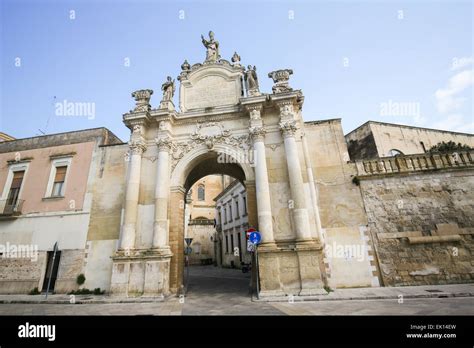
{"x":257,"y":133}
{"x":142,"y":99}
{"x":168,"y":89}
{"x":280,"y":79}
{"x":164,"y":144}
{"x":137,"y":146}
{"x":212,"y":47}
{"x":251,"y":81}
{"x":255,"y":114}
{"x":236,"y":59}
{"x":185,"y":66}
{"x":288,"y":128}
{"x":178,"y":150}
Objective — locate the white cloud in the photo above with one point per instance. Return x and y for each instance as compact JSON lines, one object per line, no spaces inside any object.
{"x":459,"y":63}
{"x":446,"y":98}
{"x":455,"y":123}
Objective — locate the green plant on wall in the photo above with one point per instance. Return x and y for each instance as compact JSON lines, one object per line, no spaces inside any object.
{"x":80,"y":279}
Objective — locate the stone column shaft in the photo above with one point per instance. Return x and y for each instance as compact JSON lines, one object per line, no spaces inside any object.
{"x":264,"y":209}
{"x":161,"y":225}
{"x":299,"y":211}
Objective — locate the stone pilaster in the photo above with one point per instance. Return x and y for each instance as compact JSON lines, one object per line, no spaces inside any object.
{"x":137,"y":147}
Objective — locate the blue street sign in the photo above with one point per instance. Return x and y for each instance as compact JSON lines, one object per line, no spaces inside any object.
{"x":255,"y":237}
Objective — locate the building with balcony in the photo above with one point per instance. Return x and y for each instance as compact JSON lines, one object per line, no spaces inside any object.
{"x":46,"y":197}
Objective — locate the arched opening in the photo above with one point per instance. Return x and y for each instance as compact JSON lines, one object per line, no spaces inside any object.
{"x":395,"y":152}
{"x":214,"y":227}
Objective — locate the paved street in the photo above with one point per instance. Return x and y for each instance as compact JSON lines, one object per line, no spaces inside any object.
{"x":214,"y":291}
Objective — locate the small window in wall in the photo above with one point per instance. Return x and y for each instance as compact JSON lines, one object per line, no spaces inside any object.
{"x":232,"y":242}
{"x":15,"y":187}
{"x":237,"y":213}
{"x":58,"y":184}
{"x":58,"y":178}
{"x":226,"y":243}
{"x":201,"y":193}
{"x":225,"y":215}
{"x":245,"y":204}
{"x":230,"y":212}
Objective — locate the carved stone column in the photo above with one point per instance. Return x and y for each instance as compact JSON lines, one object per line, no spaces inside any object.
{"x":160,"y":226}
{"x":299,"y":210}
{"x":137,"y":147}
{"x":264,"y":210}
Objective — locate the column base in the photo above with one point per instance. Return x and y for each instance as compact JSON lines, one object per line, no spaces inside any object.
{"x":142,"y":273}
{"x":291,"y":269}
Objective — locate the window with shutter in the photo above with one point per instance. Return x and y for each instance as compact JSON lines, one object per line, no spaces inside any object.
{"x":59,"y":179}
{"x":15,"y":187}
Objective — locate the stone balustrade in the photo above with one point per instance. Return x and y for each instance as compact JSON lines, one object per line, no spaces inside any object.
{"x":414,"y":163}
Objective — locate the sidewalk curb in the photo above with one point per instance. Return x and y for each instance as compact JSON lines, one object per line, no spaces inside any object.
{"x":358,"y":298}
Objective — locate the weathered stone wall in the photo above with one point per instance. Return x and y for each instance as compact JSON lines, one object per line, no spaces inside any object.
{"x":107,"y":185}
{"x":422,"y":225}
{"x":341,"y":208}
{"x":376,"y":139}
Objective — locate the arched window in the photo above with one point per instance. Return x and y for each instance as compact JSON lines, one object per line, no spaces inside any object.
{"x":201,"y":193}
{"x":395,"y":152}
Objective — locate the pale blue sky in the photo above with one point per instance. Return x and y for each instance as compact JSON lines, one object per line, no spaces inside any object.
{"x":350,"y":58}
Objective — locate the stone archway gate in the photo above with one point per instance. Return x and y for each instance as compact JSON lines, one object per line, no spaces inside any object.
{"x":263,"y":133}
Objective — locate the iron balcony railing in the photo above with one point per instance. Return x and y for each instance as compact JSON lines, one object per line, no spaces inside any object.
{"x":9,"y":208}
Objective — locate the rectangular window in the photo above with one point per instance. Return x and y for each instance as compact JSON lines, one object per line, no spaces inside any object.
{"x":237,"y":213}
{"x":230,"y":212}
{"x":226,"y":243}
{"x":245,"y":205}
{"x":58,"y":184}
{"x":232,"y":242}
{"x":225,"y":215}
{"x":15,"y":187}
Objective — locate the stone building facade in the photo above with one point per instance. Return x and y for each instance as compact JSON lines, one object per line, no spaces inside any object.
{"x":200,"y":215}
{"x":333,"y":210}
{"x":231,"y":225}
{"x":380,"y":139}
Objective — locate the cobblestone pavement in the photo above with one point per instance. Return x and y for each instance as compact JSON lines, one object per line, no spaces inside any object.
{"x":215,"y":291}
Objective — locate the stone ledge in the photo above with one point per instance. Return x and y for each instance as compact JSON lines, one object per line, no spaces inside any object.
{"x":399,"y":235}
{"x":434,"y":239}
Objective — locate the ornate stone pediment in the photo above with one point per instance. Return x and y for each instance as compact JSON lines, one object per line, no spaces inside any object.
{"x":210,"y":85}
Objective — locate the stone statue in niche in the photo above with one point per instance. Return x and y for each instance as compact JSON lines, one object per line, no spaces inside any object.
{"x":212,"y":46}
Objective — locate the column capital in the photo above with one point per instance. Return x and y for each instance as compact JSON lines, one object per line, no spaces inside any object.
{"x":257,"y":133}
{"x":137,"y":146}
{"x":164,"y":144}
{"x":288,"y":128}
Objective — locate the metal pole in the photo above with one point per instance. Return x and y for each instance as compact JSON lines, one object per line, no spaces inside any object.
{"x":256,"y":264}
{"x":51,"y":272}
{"x":187,"y":275}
